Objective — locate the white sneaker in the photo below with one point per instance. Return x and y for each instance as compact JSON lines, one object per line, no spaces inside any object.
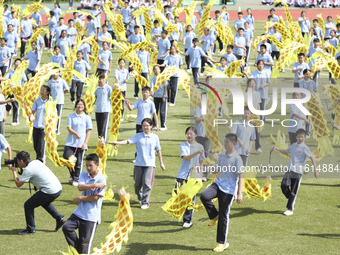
{"x":163,"y":128}
{"x":14,"y":123}
{"x":70,"y":180}
{"x":122,"y":119}
{"x":58,"y":133}
{"x":75,"y":183}
{"x":144,"y":207}
{"x":201,"y":74}
{"x":72,"y":102}
{"x":136,"y":97}
{"x":187,"y":224}
{"x":4,"y":152}
{"x":189,"y":70}
{"x":134,"y":161}
{"x":259,"y":150}
{"x":171,"y":104}
{"x":288,"y":212}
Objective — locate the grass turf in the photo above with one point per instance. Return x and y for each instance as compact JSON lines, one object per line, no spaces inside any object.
{"x":255,"y":226}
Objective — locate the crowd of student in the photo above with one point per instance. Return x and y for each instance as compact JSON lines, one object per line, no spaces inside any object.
{"x":198,"y":52}
{"x":305,"y":3}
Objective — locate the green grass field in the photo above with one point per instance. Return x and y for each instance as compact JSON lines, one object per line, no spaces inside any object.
{"x":256,"y":227}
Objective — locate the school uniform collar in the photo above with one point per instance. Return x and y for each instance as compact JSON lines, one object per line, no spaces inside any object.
{"x":44,"y":101}
{"x":94,"y":178}
{"x":79,"y":115}
{"x":145,"y":135}
{"x":230,"y":155}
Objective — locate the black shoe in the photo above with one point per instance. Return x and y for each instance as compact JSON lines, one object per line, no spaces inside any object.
{"x":26,"y":232}
{"x":60,"y":223}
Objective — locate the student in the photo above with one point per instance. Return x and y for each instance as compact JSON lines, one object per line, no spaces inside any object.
{"x":160,"y":97}
{"x":40,"y":41}
{"x":82,"y":67}
{"x":267,"y":59}
{"x":298,"y":68}
{"x":122,"y":76}
{"x":105,"y":60}
{"x":103,"y":35}
{"x":333,"y":40}
{"x":298,"y":119}
{"x":60,"y":28}
{"x":34,"y":58}
{"x":250,"y":19}
{"x":103,"y":106}
{"x":3,"y":142}
{"x":12,"y":41}
{"x":290,"y":184}
{"x":163,"y":48}
{"x":26,"y":33}
{"x":201,"y":11}
{"x":3,"y":103}
{"x":304,"y":24}
{"x":192,"y":154}
{"x":57,"y":11}
{"x":71,"y":32}
{"x":311,"y":51}
{"x":240,"y":44}
{"x":187,"y":43}
{"x":91,"y":27}
{"x":126,"y":12}
{"x":268,"y":45}
{"x":135,"y":37}
{"x":207,"y":46}
{"x":79,"y":126}
{"x":239,"y":23}
{"x":58,"y":88}
{"x":156,"y":31}
{"x":64,"y":43}
{"x":37,"y":17}
{"x":57,"y":57}
{"x":97,"y":16}
{"x":52,"y":24}
{"x":307,"y":82}
{"x":275,"y":51}
{"x":317,"y":29}
{"x":223,"y":67}
{"x":85,"y":49}
{"x":229,"y":55}
{"x":245,"y":135}
{"x":145,"y":109}
{"x":5,"y":56}
{"x":175,"y":37}
{"x":329,"y":26}
{"x":218,"y":39}
{"x":228,"y":184}
{"x":173,"y":59}
{"x":275,"y":17}
{"x":87,"y":215}
{"x":146,"y":145}
{"x":248,"y":35}
{"x":225,"y":16}
{"x":201,"y":134}
{"x":38,"y":109}
{"x":196,"y":54}
{"x":144,"y":58}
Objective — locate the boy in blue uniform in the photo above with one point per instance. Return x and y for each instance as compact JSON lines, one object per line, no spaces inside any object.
{"x":122,"y":76}
{"x":144,"y":58}
{"x":228,"y":184}
{"x":290,"y":184}
{"x":103,"y":106}
{"x":82,"y":67}
{"x":187,"y":43}
{"x":58,"y":88}
{"x":163,"y":48}
{"x":34,"y":58}
{"x":5,"y":56}
{"x":87,"y":215}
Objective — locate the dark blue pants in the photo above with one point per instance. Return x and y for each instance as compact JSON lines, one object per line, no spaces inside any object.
{"x":40,"y":199}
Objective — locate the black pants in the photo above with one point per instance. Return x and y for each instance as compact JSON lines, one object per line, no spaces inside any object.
{"x":145,"y":75}
{"x":48,"y":41}
{"x":257,"y":140}
{"x":187,"y":216}
{"x":123,"y":103}
{"x":3,"y":70}
{"x":316,"y":77}
{"x":224,"y":203}
{"x":275,"y":54}
{"x":102,"y":119}
{"x":40,"y":199}
{"x":68,"y":152}
{"x":290,"y":186}
{"x":23,"y":46}
{"x":292,"y":137}
{"x":296,"y":84}
{"x":161,"y":108}
{"x":220,"y":43}
{"x":28,"y":71}
{"x":87,"y":229}
{"x":76,"y":85}
{"x":172,"y":89}
{"x":113,"y":35}
{"x":15,"y":105}
{"x":59,"y":108}
{"x":160,"y":62}
{"x":262,"y":105}
{"x":39,"y":143}
{"x":187,"y":60}
{"x":195,"y":74}
{"x":205,"y":142}
{"x":203,"y":61}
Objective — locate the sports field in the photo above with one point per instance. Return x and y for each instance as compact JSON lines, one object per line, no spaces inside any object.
{"x":256,"y":227}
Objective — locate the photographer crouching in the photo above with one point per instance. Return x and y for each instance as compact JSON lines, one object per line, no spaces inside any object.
{"x":44,"y":180}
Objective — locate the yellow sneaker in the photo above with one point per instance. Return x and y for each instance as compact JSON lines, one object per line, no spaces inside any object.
{"x":213,"y":222}
{"x":221,"y":247}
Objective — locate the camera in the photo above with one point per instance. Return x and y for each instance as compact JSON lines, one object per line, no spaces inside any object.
{"x":12,"y":162}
